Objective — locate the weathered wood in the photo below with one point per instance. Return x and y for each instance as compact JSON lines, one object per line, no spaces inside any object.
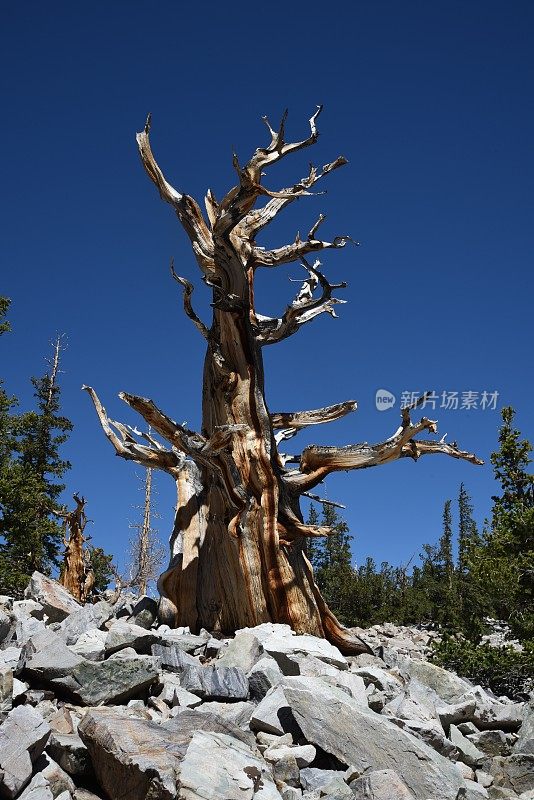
{"x":237,"y":547}
{"x":76,"y":573}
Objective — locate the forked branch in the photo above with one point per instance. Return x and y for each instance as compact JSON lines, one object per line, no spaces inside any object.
{"x":293,"y":252}
{"x":122,"y":439}
{"x":303,"y":308}
{"x":186,"y":207}
{"x":318,"y":462}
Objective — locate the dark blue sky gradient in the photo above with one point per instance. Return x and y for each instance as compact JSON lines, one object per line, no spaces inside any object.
{"x":432,"y":105}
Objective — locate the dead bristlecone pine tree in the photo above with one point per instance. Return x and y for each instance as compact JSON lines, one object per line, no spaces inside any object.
{"x":76,"y":573}
{"x":238,"y":544}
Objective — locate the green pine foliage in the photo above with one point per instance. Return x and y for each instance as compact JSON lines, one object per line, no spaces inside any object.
{"x":492,"y":576}
{"x":101,"y":564}
{"x":504,"y":568}
{"x":504,"y":670}
{"x":31,"y":469}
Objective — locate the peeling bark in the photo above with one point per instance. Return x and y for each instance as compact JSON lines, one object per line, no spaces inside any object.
{"x":76,"y":574}
{"x":237,"y":547}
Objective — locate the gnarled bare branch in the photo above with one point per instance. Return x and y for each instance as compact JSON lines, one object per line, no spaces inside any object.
{"x":188,"y":308}
{"x":260,"y":217}
{"x":303,"y":309}
{"x":185,"y":206}
{"x":318,"y":462}
{"x":212,"y":453}
{"x":125,"y":445}
{"x":317,"y":416}
{"x":294,"y":252}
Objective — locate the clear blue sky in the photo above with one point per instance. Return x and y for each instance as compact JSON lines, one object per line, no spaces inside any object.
{"x":432,"y":105}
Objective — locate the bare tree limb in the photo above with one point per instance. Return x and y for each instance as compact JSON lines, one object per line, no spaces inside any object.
{"x":318,"y":462}
{"x":259,"y":218}
{"x":125,"y":445}
{"x":303,"y":309}
{"x":294,"y":252}
{"x":186,"y":207}
{"x":318,"y":416}
{"x":322,"y":500}
{"x":188,"y":308}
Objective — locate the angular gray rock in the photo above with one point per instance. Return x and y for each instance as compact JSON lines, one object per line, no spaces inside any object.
{"x":57,"y":778}
{"x":303,"y":754}
{"x":340,"y":726}
{"x":383,"y":680}
{"x":47,"y":659}
{"x":86,"y":618}
{"x":382,"y":784}
{"x":243,"y":651}
{"x":68,"y":750}
{"x":235,"y":773}
{"x":137,"y":759}
{"x":525,"y":743}
{"x":215,"y":683}
{"x":172,"y":657}
{"x":263,"y":676}
{"x":6,"y":621}
{"x":448,"y":686}
{"x":38,"y":789}
{"x":124,"y":634}
{"x":492,"y":743}
{"x":323,"y":781}
{"x":91,"y":644}
{"x":272,"y":714}
{"x":23,"y":737}
{"x":469,"y":753}
{"x":187,"y":642}
{"x":56,"y":601}
{"x":144,"y":612}
{"x":46,"y":656}
{"x":279,"y":641}
{"x":93,"y":683}
{"x":10,"y":657}
{"x":514,"y":772}
{"x":238,"y":713}
{"x":6,"y":690}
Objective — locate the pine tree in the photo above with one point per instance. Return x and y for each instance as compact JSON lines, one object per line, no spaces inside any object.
{"x":101,"y":566}
{"x":447,"y":613}
{"x":509,"y":558}
{"x":30,"y":488}
{"x":473,"y":598}
{"x":332,"y":562}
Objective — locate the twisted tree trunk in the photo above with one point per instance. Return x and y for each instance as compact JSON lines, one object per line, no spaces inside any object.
{"x":237,"y":548}
{"x":76,"y":576}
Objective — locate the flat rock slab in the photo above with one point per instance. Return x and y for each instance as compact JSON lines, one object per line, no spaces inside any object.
{"x":71,"y":754}
{"x":280,"y":640}
{"x":215,"y":683}
{"x":84,"y":619}
{"x":23,"y":737}
{"x":173,"y":657}
{"x":56,"y":601}
{"x":382,"y":784}
{"x":138,"y":759}
{"x":125,"y":634}
{"x":234,"y":773}
{"x":39,"y":789}
{"x":448,"y":686}
{"x":48,"y":660}
{"x":93,"y":683}
{"x":333,"y":721}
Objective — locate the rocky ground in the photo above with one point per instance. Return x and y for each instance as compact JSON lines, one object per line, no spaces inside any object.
{"x":100,"y":702}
